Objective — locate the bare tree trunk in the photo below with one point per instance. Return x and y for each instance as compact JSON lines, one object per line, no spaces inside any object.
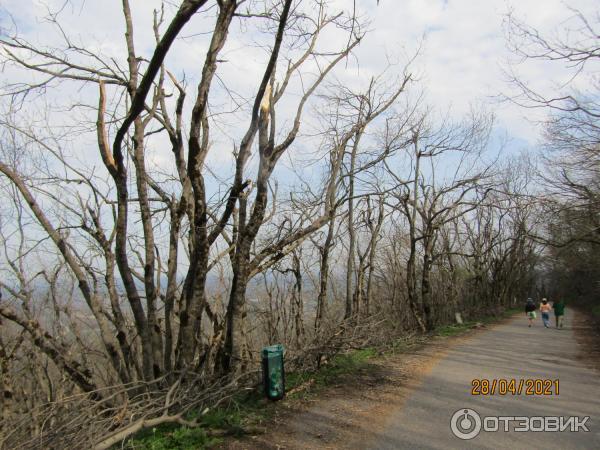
{"x":359,"y":290}
{"x":194,"y":288}
{"x":426,"y":281}
{"x":149,"y":248}
{"x":324,"y":273}
{"x":351,"y":239}
{"x":411,"y":269}
{"x":351,"y":232}
{"x":169,"y":301}
{"x":297,"y":299}
{"x":372,"y":254}
{"x":232,"y":356}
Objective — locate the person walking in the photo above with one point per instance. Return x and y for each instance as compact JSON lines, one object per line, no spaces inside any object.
{"x":545,"y":310}
{"x":559,"y":312}
{"x":530,"y":311}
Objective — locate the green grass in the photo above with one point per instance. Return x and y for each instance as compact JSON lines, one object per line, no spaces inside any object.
{"x":333,"y":373}
{"x":243,"y":409}
{"x":455,"y":329}
{"x":596,"y":311}
{"x":344,"y":364}
{"x":512,"y":312}
{"x":168,"y":437}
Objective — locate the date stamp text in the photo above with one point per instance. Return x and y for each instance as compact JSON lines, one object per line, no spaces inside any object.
{"x":512,"y":386}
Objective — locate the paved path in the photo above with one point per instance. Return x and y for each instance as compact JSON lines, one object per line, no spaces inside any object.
{"x":510,"y":350}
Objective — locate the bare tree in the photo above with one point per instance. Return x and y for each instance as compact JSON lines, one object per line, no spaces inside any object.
{"x":570,"y":172}
{"x":428,"y":205}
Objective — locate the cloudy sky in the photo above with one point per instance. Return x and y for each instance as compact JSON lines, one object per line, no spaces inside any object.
{"x":461,"y":63}
{"x":465,"y":53}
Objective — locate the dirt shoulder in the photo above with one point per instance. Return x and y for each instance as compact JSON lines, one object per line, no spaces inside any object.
{"x":349,"y":413}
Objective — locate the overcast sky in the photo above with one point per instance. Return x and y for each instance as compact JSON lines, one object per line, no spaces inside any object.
{"x":465,"y":51}
{"x":461,"y":63}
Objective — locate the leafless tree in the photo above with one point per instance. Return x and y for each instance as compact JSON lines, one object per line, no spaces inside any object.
{"x":428,"y":205}
{"x":569,"y":178}
{"x":138,"y":242}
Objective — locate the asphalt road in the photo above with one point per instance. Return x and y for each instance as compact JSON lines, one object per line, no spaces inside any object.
{"x":507,"y":351}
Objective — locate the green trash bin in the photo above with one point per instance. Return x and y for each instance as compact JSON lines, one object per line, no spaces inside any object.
{"x":273,"y":372}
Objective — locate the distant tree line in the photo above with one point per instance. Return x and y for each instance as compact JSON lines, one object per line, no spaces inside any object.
{"x":569,"y":167}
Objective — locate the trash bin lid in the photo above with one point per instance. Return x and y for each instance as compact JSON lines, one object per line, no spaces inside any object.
{"x":276,"y":349}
